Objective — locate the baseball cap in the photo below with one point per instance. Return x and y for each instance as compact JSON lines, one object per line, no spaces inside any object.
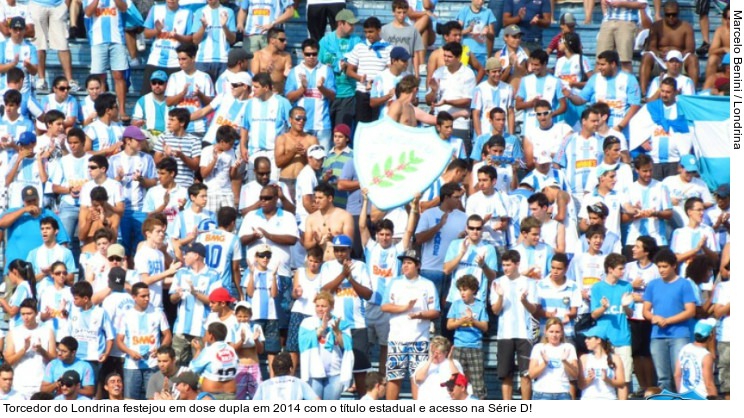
{"x":512,"y":30}
{"x":236,"y":55}
{"x":689,"y":163}
{"x":70,"y":378}
{"x":263,"y":248}
{"x":344,"y":129}
{"x":458,"y":379}
{"x":399,"y":53}
{"x":705,"y":326}
{"x":598,"y":208}
{"x":346,"y":15}
{"x":17,"y":23}
{"x":115,"y":250}
{"x":133,"y":132}
{"x":341,"y":241}
{"x":221,"y":295}
{"x":410,"y":254}
{"x":241,"y":77}
{"x":723,"y":190}
{"x":243,"y":304}
{"x":116,"y":278}
{"x":27,"y":138}
{"x":551,"y":183}
{"x":721,"y":82}
{"x":604,"y":169}
{"x":673,"y":54}
{"x":159,"y":75}
{"x":188,"y":377}
{"x":726,"y":59}
{"x":543,"y":158}
{"x":29,"y":193}
{"x":595,"y":332}
{"x":568,"y":19}
{"x":493,"y":63}
{"x":196,"y":248}
{"x":316,"y":151}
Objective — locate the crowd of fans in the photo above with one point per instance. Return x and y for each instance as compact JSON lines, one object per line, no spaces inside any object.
{"x":166,"y":252}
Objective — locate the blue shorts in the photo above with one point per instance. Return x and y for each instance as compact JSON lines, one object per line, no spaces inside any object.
{"x":135,"y":382}
{"x":295,"y":319}
{"x":405,"y":356}
{"x":105,"y":57}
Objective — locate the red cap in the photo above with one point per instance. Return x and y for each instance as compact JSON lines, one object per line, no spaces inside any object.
{"x":458,"y":379}
{"x":221,"y":295}
{"x":343,"y":128}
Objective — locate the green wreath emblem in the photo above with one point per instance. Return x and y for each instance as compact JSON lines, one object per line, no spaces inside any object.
{"x":388,"y":176}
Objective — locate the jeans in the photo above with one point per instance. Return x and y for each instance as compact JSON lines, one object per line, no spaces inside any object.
{"x":439,"y":279}
{"x":135,"y":382}
{"x":664,"y":352}
{"x":68,"y":214}
{"x":131,"y":230}
{"x":544,"y":396}
{"x":327,"y":388}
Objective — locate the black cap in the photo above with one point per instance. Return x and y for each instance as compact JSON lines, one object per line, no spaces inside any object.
{"x":410,"y":254}
{"x":17,"y":23}
{"x":70,"y":378}
{"x":29,"y":193}
{"x":117,"y":277}
{"x":598,"y":208}
{"x":195,"y":248}
{"x":188,"y":377}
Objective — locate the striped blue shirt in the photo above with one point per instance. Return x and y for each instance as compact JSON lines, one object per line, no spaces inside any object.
{"x":106,"y":25}
{"x":214,"y":45}
{"x":317,"y":107}
{"x":153,"y":112}
{"x":163,"y":50}
{"x":191,"y":311}
{"x":265,"y":120}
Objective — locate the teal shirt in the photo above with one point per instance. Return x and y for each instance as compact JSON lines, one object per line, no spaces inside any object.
{"x":333,"y":50}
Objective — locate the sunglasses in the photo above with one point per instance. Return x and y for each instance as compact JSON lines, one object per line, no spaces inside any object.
{"x":66,"y":384}
{"x":310,"y":54}
{"x":266,"y":198}
{"x":59,"y":273}
{"x":268,"y":173}
{"x":300,"y":118}
{"x":237,"y":85}
{"x":157,"y":83}
{"x":263,"y":255}
{"x":92,"y":167}
{"x":281,"y":39}
{"x":475,"y":228}
{"x":62,"y":88}
{"x":542,"y":113}
{"x":115,"y":258}
{"x":671,"y":14}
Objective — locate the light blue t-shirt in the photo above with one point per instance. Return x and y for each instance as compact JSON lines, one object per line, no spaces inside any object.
{"x":468,"y":336}
{"x":614,"y":320}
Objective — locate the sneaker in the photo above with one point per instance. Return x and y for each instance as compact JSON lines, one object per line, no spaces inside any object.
{"x":74,"y":86}
{"x":41,"y":84}
{"x":141,"y":46}
{"x":703,"y":50}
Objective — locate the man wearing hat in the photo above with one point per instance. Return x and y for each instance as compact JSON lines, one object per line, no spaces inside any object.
{"x":412,"y":302}
{"x":400,"y":33}
{"x":350,"y":284}
{"x":187,"y":387}
{"x":220,"y":300}
{"x":140,"y":331}
{"x":256,"y":17}
{"x":383,"y":87}
{"x":69,"y":387}
{"x":238,"y":61}
{"x":190,"y":290}
{"x":17,"y":46}
{"x":717,"y":216}
{"x":673,"y":61}
{"x":491,"y":94}
{"x":22,"y":226}
{"x":685,"y":185}
{"x":457,"y":387}
{"x":531,"y":16}
{"x":333,"y":49}
{"x":567,"y":23}
{"x":151,"y":111}
{"x":135,"y":170}
{"x":311,"y":85}
{"x":614,"y":200}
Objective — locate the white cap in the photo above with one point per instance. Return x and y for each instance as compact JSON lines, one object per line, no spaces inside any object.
{"x":316,"y":151}
{"x":550,"y":183}
{"x":240,"y":77}
{"x":674,"y":54}
{"x":243,"y":304}
{"x":543,"y":158}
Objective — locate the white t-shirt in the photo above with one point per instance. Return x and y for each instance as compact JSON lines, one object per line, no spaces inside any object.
{"x":549,"y":140}
{"x":457,"y":85}
{"x":514,"y":320}
{"x":250,"y":193}
{"x":113,"y":188}
{"x":554,"y":378}
{"x":431,"y":388}
{"x":305,"y":185}
{"x":401,"y":291}
{"x":218,"y":181}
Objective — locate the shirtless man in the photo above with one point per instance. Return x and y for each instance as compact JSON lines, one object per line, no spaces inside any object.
{"x":326,"y":222}
{"x":721,"y":42}
{"x":291,"y":148}
{"x":403,"y":110}
{"x":273,"y":59}
{"x":452,"y":32}
{"x":667,"y":34}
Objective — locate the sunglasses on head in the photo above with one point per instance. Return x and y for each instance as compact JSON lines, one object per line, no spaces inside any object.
{"x":157,"y":83}
{"x":264,"y":254}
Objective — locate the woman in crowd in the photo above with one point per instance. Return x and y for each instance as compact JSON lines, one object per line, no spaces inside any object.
{"x":553,"y":364}
{"x":601,"y":370}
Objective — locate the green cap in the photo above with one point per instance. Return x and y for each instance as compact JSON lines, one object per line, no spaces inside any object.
{"x":346,"y":15}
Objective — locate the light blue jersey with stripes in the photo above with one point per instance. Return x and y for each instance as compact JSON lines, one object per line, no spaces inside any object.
{"x":70,"y":107}
{"x":469,"y":265}
{"x":214,"y":45}
{"x":25,"y":51}
{"x":133,"y":192}
{"x":141,"y":331}
{"x":265,"y":120}
{"x":654,"y":196}
{"x":317,"y":107}
{"x":487,"y":97}
{"x":578,"y":157}
{"x":382,"y":266}
{"x":349,"y":306}
{"x":152,"y":111}
{"x":102,"y":135}
{"x":262,"y":12}
{"x":186,"y":221}
{"x":546,"y":88}
{"x":537,"y":257}
{"x":192,"y":312}
{"x":222,"y":249}
{"x":228,"y":111}
{"x":619,"y":92}
{"x":163,"y":50}
{"x":106,"y":24}
{"x":14,"y":128}
{"x":91,"y":328}
{"x":559,"y":300}
{"x":264,"y":306}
